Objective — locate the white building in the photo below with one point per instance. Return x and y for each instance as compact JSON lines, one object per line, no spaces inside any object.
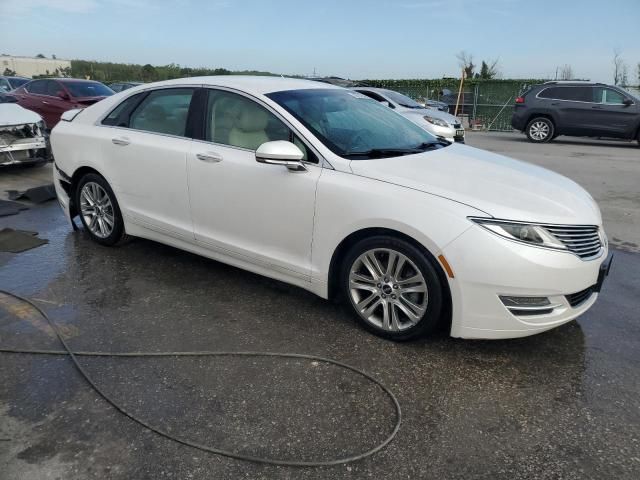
{"x":30,"y":66}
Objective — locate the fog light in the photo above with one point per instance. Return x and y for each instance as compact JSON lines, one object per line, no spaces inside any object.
{"x":526,"y":306}
{"x":524,"y":301}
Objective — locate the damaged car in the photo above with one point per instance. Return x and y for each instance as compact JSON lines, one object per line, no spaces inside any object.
{"x":22,"y":135}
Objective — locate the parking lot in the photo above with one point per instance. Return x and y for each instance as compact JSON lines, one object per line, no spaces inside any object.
{"x":563,"y":404}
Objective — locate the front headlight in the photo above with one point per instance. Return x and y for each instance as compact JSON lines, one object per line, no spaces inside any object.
{"x":436,"y":121}
{"x":529,"y":233}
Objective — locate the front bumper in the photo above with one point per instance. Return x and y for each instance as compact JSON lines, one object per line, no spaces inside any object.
{"x":449,"y":133}
{"x":24,"y":150}
{"x":487,"y":266}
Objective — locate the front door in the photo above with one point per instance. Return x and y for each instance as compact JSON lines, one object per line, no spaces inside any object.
{"x":257,"y":213}
{"x":613,"y":118}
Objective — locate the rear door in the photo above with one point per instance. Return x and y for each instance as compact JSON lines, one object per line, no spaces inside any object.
{"x":572,"y":106}
{"x":146,"y":145}
{"x":613,"y":117}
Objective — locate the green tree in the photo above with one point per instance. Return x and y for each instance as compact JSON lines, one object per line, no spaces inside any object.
{"x":489,"y":70}
{"x":11,"y":73}
{"x":40,"y":56}
{"x":149,"y":73}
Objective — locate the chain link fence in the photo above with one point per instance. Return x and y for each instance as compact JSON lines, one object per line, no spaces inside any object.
{"x":485,"y":104}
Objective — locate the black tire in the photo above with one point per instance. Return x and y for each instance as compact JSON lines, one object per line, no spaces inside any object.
{"x":638,"y":138}
{"x":117,"y":234}
{"x":430,"y":318}
{"x":540,"y":130}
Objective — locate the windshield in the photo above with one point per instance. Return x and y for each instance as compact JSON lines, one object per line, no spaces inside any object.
{"x":88,"y":89}
{"x":354,"y":126}
{"x":401,"y":99}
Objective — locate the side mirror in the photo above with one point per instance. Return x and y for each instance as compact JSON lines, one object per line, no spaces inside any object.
{"x":627,"y":101}
{"x":62,"y":94}
{"x":281,"y":152}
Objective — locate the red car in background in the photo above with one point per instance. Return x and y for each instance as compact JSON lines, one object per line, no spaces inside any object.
{"x":50,"y":97}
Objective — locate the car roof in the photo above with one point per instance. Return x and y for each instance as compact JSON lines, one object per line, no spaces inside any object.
{"x":255,"y":84}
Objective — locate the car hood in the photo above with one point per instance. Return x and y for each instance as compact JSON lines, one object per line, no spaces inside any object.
{"x":497,"y":185}
{"x":431,"y":112}
{"x":14,"y":114}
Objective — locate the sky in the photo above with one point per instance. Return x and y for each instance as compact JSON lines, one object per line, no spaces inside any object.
{"x":357,"y":39}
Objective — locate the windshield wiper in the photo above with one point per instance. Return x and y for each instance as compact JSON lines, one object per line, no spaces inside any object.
{"x":382,"y":152}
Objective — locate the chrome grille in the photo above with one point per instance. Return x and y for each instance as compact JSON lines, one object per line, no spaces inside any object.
{"x":582,"y":240}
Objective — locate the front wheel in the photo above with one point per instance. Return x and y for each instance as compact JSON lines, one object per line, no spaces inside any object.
{"x":99,"y":211}
{"x":392,"y":287}
{"x":540,"y":130}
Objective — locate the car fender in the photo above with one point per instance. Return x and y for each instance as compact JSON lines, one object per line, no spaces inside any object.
{"x":430,"y":220}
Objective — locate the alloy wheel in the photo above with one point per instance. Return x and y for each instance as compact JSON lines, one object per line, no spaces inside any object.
{"x":97,"y":210}
{"x":388,"y":290}
{"x":539,"y":130}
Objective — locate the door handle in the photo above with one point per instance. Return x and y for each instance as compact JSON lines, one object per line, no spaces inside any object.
{"x":120,"y":141}
{"x":209,"y":157}
{"x":46,"y":103}
{"x":597,"y":107}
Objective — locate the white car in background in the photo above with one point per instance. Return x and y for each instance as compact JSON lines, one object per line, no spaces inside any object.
{"x":22,"y":136}
{"x":434,"y":121}
{"x":323,"y":188}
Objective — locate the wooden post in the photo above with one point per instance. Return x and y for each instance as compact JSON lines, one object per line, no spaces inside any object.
{"x":459,"y":93}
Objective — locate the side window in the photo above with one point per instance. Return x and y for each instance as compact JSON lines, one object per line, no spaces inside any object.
{"x":38,"y":87}
{"x":238,"y":121}
{"x":163,"y":111}
{"x":53,"y":88}
{"x":114,"y":117}
{"x":576,"y":94}
{"x":612,"y":97}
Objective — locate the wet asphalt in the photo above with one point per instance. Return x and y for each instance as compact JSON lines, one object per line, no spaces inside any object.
{"x":560,"y":405}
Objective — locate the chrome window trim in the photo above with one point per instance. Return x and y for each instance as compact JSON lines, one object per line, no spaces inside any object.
{"x":580,"y":101}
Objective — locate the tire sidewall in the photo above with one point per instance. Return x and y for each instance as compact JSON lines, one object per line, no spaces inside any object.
{"x":549,"y":137}
{"x":431,"y":318}
{"x":117,"y":233}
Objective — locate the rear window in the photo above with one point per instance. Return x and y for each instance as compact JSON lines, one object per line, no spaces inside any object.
{"x":88,"y":89}
{"x":575,"y":94}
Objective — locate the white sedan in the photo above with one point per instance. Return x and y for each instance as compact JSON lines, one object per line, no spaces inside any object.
{"x":326,"y":189}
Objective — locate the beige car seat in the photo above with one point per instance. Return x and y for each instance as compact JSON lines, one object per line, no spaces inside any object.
{"x":249,"y":129}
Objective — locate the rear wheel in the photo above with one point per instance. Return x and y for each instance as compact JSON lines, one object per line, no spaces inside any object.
{"x":392,"y":287}
{"x":540,"y":130}
{"x":99,"y":210}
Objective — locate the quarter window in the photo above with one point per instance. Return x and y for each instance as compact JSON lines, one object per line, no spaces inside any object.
{"x":163,"y":111}
{"x":238,"y":121}
{"x":114,"y":118}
